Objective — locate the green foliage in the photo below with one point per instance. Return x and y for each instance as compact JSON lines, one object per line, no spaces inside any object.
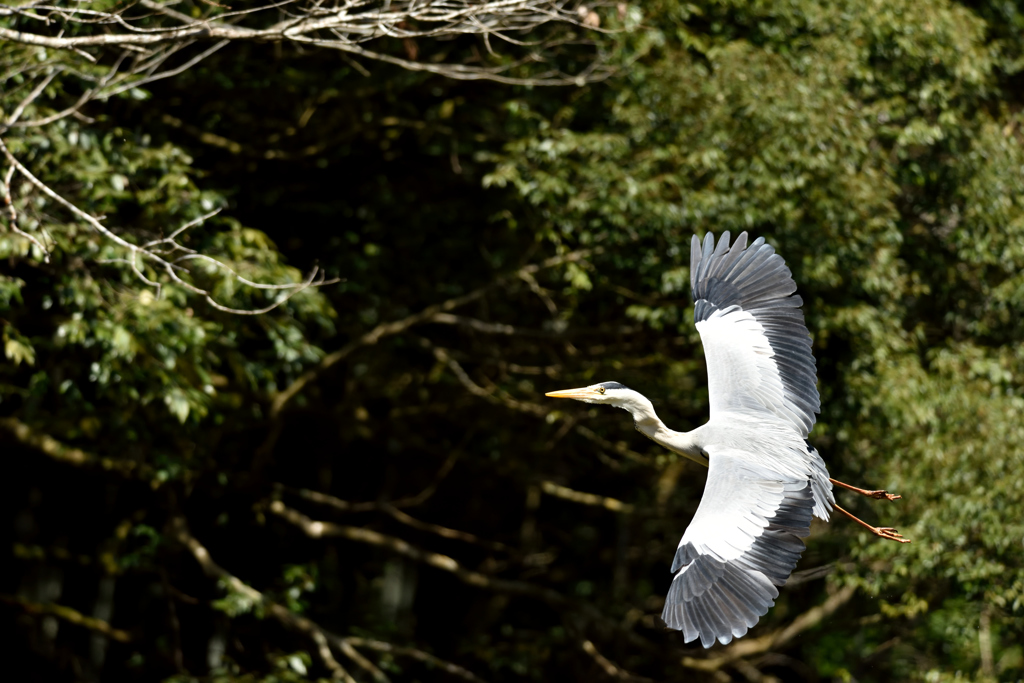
{"x":878,"y":145}
{"x":236,"y":602}
{"x":107,"y":341}
{"x":299,"y":581}
{"x":875,"y":144}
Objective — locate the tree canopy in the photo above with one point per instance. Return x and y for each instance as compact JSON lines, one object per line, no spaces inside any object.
{"x":364,"y":481}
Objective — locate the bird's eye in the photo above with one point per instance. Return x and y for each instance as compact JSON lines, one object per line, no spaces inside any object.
{"x":601,"y":389}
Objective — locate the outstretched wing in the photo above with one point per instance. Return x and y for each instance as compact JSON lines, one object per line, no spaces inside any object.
{"x":743,"y":542}
{"x":756,"y":344}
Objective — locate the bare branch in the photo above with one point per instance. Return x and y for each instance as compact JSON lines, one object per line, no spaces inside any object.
{"x":323,"y":648}
{"x":493,"y":394}
{"x":223,"y":266}
{"x":85,"y":97}
{"x":619,"y":448}
{"x":413,"y":653}
{"x":543,"y":26}
{"x":540,"y":292}
{"x":346,"y":506}
{"x":321,"y":637}
{"x":170,"y":72}
{"x":399,"y":326}
{"x":47,"y":445}
{"x":179,"y":530}
{"x":776,"y":639}
{"x":458,"y":72}
{"x":553,"y":489}
{"x":12,"y":215}
{"x":362,"y":662}
{"x":159,"y":253}
{"x":392,"y":509}
{"x":490,"y":328}
{"x":310,"y":281}
{"x":608,"y":666}
{"x":36,"y":91}
{"x":69,"y":615}
{"x":317,"y":529}
{"x":473,"y":324}
{"x":444,"y":531}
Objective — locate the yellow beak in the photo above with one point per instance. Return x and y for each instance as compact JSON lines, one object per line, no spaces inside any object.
{"x":582,"y":392}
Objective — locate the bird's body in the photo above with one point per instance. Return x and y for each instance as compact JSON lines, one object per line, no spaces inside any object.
{"x":765,"y":481}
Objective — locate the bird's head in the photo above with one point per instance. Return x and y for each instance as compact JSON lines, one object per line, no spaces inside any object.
{"x":610,"y":393}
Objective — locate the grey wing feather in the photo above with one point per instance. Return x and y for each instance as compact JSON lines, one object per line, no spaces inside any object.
{"x":756,"y":280}
{"x":743,"y":543}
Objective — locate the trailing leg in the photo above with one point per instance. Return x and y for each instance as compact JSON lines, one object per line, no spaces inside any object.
{"x":877,"y":495}
{"x":883,"y":532}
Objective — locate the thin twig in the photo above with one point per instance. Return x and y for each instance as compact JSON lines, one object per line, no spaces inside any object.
{"x":317,"y":529}
{"x":346,"y":29}
{"x":399,"y":326}
{"x":69,"y":615}
{"x":31,"y":97}
{"x":443,"y":531}
{"x":619,"y":448}
{"x":409,"y":501}
{"x":12,"y":215}
{"x":52,"y":448}
{"x":553,"y":489}
{"x":321,"y":637}
{"x":608,"y":666}
{"x":413,"y":653}
{"x":362,"y":662}
{"x":775,"y":639}
{"x":137,"y":254}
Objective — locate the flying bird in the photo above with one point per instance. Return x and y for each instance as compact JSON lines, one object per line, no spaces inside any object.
{"x":765,"y":480}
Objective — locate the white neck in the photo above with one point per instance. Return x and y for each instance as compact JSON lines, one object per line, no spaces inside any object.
{"x":650,"y":425}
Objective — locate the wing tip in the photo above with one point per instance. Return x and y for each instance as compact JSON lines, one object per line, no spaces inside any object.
{"x":714,"y":599}
{"x":757,"y":280}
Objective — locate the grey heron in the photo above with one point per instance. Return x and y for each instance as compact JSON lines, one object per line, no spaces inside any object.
{"x":765,"y":480}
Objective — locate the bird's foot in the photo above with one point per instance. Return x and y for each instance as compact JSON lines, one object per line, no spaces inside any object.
{"x":879,"y":495}
{"x":886,"y":532}
{"x":889,"y":533}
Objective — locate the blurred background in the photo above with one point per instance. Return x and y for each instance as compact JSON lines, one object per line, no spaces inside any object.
{"x":365,"y":483}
